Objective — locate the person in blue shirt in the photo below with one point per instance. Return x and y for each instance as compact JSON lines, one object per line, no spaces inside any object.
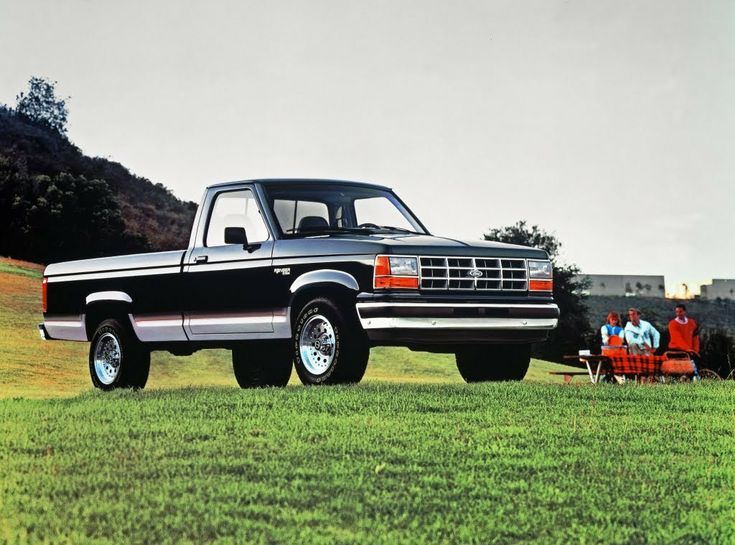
{"x":642,"y":338}
{"x":612,"y":331}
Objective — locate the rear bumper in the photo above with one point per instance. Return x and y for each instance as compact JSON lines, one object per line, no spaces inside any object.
{"x":44,"y":334}
{"x":63,"y":328}
{"x":456,"y":323}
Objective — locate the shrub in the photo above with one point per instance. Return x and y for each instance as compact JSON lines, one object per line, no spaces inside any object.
{"x":717,"y":350}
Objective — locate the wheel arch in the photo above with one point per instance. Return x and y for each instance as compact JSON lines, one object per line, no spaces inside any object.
{"x":102,"y":305}
{"x":337,"y":285}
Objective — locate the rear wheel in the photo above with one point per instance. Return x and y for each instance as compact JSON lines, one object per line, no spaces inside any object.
{"x":329,"y":346}
{"x":708,"y":375}
{"x":494,"y":362}
{"x":116,"y":358}
{"x":262,"y":364}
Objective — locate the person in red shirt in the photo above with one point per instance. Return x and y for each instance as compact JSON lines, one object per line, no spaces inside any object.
{"x":683,"y":332}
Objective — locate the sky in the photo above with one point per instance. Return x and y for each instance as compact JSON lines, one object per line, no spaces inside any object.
{"x":610,"y":124}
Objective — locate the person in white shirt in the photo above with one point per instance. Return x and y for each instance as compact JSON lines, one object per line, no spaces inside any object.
{"x":641,"y":336}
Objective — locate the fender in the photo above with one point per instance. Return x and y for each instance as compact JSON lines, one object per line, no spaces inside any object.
{"x":325,"y":276}
{"x":98,"y":297}
{"x":322,"y":276}
{"x":107,"y":296}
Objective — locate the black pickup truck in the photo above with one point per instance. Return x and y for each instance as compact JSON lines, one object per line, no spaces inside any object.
{"x":304,"y":273}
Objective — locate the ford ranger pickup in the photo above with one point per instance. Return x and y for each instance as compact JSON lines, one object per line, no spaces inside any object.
{"x":307,"y":274}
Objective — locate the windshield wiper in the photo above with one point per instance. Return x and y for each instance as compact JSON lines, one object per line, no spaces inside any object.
{"x":329,"y":231}
{"x":365,"y":230}
{"x":399,"y":229}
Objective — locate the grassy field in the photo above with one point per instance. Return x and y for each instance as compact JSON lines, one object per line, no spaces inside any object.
{"x":378,"y":463}
{"x":410,"y":456}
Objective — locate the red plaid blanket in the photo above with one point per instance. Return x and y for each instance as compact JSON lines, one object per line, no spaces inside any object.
{"x":626,"y":364}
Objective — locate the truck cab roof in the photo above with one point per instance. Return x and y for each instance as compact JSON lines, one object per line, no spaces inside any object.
{"x":320,"y":181}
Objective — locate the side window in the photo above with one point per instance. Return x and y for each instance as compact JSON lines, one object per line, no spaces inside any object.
{"x":291,"y":214}
{"x":235,"y":209}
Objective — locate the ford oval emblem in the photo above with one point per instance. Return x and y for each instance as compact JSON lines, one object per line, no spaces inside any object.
{"x":474,"y":273}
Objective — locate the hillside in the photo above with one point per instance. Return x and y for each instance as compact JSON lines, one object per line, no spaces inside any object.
{"x":44,"y":180}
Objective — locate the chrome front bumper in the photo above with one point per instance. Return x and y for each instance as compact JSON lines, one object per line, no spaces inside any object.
{"x":428,"y":323}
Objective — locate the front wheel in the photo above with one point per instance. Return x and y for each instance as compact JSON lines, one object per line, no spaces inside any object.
{"x":116,"y":358}
{"x":262,"y":364}
{"x":494,"y":362}
{"x":329,"y":345}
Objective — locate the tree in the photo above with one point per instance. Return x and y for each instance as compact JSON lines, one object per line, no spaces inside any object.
{"x":59,"y":218}
{"x":573,"y":331}
{"x":717,"y":350}
{"x":41,"y":105}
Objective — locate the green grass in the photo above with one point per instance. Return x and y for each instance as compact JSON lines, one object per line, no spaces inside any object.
{"x":412,"y":455}
{"x":13,"y":269}
{"x":376,"y":463}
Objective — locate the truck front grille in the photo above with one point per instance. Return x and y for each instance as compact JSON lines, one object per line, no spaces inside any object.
{"x":472,"y":273}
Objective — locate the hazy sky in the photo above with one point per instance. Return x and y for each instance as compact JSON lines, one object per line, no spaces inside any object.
{"x":611,"y":123}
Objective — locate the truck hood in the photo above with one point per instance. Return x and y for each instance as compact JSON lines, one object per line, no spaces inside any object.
{"x":404,"y":244}
{"x":434,"y":245}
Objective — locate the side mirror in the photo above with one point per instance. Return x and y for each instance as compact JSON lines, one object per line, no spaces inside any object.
{"x":236,"y":235}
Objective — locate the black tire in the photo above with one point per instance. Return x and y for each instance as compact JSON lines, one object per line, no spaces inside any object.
{"x":349,"y":351}
{"x":493,"y":363}
{"x":123,"y":361}
{"x":262,"y":364}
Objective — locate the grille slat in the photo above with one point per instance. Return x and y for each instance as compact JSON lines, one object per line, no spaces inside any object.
{"x":490,"y":274}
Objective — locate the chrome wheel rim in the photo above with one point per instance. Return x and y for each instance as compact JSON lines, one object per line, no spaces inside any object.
{"x":317,"y":344}
{"x":107,"y":357}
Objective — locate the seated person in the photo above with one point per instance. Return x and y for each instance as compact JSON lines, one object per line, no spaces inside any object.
{"x":612,"y":334}
{"x":642,"y":338}
{"x":683,"y":331}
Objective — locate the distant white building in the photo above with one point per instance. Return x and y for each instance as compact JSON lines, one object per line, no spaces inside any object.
{"x":719,"y":288}
{"x":625,"y":284}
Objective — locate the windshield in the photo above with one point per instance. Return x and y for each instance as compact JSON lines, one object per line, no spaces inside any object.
{"x":311,"y":208}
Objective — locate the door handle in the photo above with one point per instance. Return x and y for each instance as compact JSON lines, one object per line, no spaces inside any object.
{"x":201,"y":259}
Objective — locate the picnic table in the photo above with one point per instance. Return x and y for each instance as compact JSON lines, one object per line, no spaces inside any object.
{"x":617,"y":363}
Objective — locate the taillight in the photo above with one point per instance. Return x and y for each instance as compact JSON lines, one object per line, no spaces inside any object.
{"x":396,"y":272}
{"x":44,"y":294}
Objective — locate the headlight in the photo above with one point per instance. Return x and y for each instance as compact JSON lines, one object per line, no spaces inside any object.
{"x":404,"y":266}
{"x":539,"y":269}
{"x":396,"y":272}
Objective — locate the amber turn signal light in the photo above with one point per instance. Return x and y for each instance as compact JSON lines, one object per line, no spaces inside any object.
{"x":400,"y":282}
{"x":541,"y":285}
{"x":382,"y":266}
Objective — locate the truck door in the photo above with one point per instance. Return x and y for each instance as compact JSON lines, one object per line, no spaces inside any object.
{"x":228,"y":293}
